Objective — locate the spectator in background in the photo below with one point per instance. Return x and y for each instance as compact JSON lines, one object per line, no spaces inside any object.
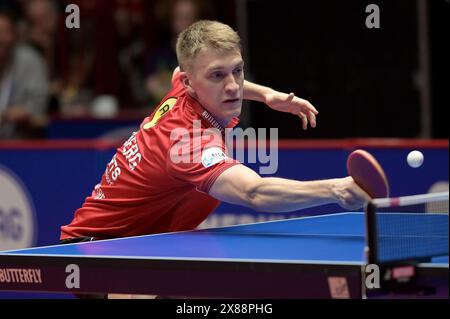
{"x":163,"y":60}
{"x":23,"y":84}
{"x":78,"y":64}
{"x":42,"y":17}
{"x":129,"y":23}
{"x":89,"y":64}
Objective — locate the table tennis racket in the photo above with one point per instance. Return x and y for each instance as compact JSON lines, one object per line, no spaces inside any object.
{"x":368,"y":174}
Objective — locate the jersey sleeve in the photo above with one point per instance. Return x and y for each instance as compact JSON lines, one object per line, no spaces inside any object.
{"x":176,"y":78}
{"x":199,"y":165}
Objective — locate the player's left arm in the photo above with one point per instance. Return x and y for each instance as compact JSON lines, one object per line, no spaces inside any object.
{"x":282,"y":102}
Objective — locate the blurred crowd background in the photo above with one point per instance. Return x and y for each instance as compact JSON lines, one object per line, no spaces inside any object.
{"x":109,"y":74}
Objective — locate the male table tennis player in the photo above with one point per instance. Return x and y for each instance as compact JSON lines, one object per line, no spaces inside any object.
{"x":146,"y":189}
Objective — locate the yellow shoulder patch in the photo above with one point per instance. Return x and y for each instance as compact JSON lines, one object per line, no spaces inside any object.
{"x":163,"y":109}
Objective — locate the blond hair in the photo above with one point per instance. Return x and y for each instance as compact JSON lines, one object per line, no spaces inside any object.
{"x":205,"y":33}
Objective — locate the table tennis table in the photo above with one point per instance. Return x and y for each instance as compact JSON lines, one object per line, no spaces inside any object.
{"x":310,"y":257}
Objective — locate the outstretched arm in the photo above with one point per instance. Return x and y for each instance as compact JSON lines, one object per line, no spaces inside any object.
{"x":242,"y":186}
{"x":282,"y":102}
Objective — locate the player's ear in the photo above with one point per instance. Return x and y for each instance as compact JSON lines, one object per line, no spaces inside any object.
{"x":187,"y":83}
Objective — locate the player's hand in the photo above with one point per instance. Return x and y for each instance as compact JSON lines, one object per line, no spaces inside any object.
{"x":348,"y":194}
{"x":290,"y":103}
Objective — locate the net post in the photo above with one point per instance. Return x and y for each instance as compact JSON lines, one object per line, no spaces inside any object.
{"x":371,"y":232}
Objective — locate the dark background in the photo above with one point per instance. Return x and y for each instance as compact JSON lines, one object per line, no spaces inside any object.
{"x":361,"y":80}
{"x":440,"y":55}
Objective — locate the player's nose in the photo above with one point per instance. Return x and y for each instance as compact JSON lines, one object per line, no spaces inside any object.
{"x":232,"y":86}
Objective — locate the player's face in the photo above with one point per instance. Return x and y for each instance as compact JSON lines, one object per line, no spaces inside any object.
{"x":216,"y":80}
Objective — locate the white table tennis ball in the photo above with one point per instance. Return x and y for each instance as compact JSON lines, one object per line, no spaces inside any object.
{"x":415,"y":159}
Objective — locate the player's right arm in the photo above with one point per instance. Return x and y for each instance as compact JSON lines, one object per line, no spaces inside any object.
{"x":242,"y":186}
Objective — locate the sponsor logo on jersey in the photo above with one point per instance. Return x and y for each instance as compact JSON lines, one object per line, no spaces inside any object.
{"x":163,"y":110}
{"x":213,"y":156}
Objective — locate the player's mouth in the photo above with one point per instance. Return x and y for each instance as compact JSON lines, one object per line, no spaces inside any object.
{"x":232,"y":101}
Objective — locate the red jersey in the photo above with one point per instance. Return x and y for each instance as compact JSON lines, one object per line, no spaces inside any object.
{"x":158,"y":181}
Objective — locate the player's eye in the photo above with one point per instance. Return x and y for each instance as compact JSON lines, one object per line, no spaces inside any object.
{"x":217,"y":75}
{"x":238,"y":71}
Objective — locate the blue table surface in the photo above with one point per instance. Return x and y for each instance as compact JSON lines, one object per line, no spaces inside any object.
{"x":337,"y":238}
